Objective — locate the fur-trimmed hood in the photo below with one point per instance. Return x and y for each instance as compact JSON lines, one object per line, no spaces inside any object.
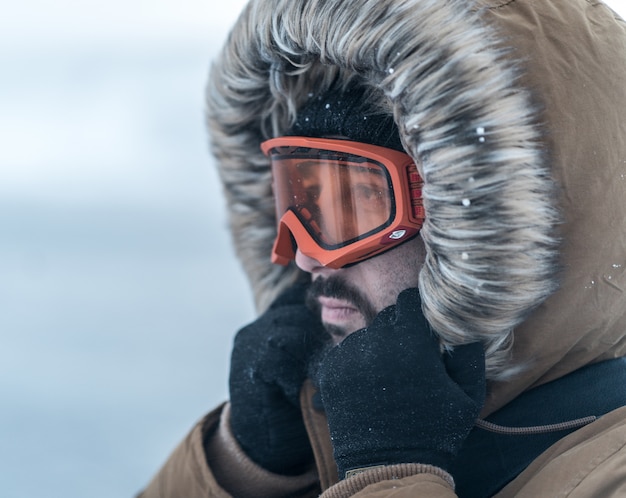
{"x":515,"y":113}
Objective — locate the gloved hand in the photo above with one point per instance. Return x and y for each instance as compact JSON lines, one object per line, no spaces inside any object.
{"x":391,"y":397}
{"x":268,"y":367}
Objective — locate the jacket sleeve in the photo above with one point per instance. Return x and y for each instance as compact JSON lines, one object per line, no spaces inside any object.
{"x":223,"y":470}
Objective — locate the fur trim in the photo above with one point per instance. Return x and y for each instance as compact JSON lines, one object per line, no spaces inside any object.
{"x":462,"y":116}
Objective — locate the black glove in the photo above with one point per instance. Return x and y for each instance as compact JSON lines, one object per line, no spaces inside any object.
{"x":391,"y":397}
{"x":268,"y":367}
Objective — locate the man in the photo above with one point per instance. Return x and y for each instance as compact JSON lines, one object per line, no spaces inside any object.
{"x":455,"y":367}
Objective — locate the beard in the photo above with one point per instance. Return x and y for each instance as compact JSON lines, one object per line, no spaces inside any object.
{"x":335,"y":287}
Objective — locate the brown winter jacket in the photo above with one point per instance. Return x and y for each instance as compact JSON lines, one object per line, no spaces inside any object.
{"x":590,"y":462}
{"x":517,"y":104}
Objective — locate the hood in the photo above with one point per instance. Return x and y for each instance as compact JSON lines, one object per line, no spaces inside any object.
{"x":514,"y":112}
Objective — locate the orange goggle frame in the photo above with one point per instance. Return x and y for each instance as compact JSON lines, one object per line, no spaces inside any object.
{"x":340,"y":202}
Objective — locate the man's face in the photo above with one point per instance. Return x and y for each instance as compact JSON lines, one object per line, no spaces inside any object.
{"x":348,"y":299}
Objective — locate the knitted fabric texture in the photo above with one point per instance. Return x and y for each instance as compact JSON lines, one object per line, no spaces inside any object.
{"x":347,"y":114}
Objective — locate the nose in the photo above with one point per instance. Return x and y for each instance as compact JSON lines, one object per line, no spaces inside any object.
{"x":310,"y":265}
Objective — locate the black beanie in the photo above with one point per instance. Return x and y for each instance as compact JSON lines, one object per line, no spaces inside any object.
{"x":346,"y":113}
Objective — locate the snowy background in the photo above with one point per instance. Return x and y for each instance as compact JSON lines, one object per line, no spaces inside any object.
{"x":119,"y":293}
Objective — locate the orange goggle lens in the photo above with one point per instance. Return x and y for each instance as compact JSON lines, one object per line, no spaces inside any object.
{"x":341,"y":201}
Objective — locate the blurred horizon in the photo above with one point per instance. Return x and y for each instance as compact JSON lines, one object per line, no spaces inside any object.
{"x":119,"y":289}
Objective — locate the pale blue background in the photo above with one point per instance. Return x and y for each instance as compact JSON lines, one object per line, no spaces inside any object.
{"x":119,"y":293}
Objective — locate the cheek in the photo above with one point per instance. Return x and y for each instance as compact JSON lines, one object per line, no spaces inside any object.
{"x":392,"y":272}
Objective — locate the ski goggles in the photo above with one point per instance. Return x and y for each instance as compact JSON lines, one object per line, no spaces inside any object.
{"x":340,"y":202}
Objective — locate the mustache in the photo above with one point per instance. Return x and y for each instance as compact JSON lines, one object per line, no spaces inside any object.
{"x":335,"y":287}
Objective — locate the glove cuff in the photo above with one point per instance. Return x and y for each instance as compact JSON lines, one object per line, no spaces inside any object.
{"x":358,"y":479}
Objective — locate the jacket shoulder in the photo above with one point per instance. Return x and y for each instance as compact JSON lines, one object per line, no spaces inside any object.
{"x":186,"y":472}
{"x":209,"y":462}
{"x":588,"y":462}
